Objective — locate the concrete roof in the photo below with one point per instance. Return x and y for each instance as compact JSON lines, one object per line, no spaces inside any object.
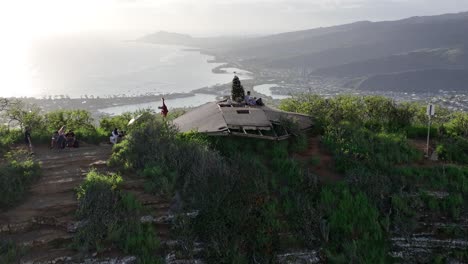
{"x":219,"y":119}
{"x":205,"y":119}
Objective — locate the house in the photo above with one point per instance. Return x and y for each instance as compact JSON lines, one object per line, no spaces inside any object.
{"x":223,"y":119}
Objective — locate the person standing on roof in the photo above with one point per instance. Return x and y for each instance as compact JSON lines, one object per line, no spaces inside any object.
{"x":163,"y":108}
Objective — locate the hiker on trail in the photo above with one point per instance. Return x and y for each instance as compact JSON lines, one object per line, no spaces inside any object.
{"x":115,"y":136}
{"x":53,"y":142}
{"x":71,"y":139}
{"x":163,"y":108}
{"x":28,"y":141}
{"x":61,"y":141}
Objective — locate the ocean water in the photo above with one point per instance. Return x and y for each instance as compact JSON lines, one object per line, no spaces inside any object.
{"x":192,"y":101}
{"x":266,"y":90}
{"x":101,"y":66}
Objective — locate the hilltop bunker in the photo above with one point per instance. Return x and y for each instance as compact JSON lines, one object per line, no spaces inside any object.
{"x":222,"y":119}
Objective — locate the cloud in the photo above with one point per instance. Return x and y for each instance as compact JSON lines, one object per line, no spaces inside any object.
{"x":204,"y":16}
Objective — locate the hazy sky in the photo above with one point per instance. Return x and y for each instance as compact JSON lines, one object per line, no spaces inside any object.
{"x":203,"y":17}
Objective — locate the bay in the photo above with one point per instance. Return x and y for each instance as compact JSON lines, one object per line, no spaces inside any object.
{"x":266,"y":90}
{"x":191,"y":101}
{"x":103,"y":66}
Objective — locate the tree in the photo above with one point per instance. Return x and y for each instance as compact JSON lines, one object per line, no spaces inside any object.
{"x":73,"y":119}
{"x":26,"y":115}
{"x":4,"y":104}
{"x":237,"y":92}
{"x":458,"y":125}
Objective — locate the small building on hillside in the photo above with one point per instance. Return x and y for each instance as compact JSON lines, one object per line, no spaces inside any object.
{"x":223,"y":119}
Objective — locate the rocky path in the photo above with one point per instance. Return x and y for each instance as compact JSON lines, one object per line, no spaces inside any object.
{"x":319,"y":161}
{"x":41,"y":221}
{"x":44,"y":221}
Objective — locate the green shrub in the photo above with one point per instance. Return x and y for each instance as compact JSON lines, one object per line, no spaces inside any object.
{"x":404,"y":214}
{"x":352,"y":145}
{"x":91,"y":135}
{"x":238,"y":218}
{"x":453,"y":149}
{"x":73,"y":119}
{"x":451,"y":178}
{"x":183,"y":230}
{"x":375,"y":113}
{"x":152,"y":142}
{"x":10,"y":252}
{"x":16,"y":175}
{"x":21,"y":114}
{"x":79,"y":121}
{"x":454,"y":203}
{"x":377,"y":184}
{"x":161,"y":179}
{"x":355,"y":231}
{"x":420,"y":131}
{"x":112,"y":217}
{"x":458,"y":125}
{"x":305,"y":219}
{"x":108,"y":124}
{"x":119,"y":158}
{"x":8,"y":137}
{"x":299,"y":143}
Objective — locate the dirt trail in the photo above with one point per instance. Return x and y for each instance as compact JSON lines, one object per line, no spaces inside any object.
{"x":420,"y":145}
{"x":42,"y":220}
{"x":323,"y":164}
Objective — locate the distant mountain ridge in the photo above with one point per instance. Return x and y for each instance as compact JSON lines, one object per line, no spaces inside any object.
{"x":419,"y":81}
{"x":452,"y":58}
{"x":359,"y":50}
{"x":165,"y":37}
{"x":170,"y":38}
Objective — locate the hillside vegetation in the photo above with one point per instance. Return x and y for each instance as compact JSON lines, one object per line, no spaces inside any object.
{"x":241,"y":200}
{"x":254,"y":201}
{"x":425,"y":59}
{"x":420,"y":81}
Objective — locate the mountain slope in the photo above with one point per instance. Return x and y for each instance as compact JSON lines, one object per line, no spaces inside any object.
{"x":411,"y":48}
{"x":420,"y":81}
{"x":169,"y":38}
{"x":421,"y":59}
{"x":332,"y":46}
{"x":367,"y":41}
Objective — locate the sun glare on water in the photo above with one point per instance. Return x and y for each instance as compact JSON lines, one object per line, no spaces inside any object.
{"x":15,"y":69}
{"x":23,"y":21}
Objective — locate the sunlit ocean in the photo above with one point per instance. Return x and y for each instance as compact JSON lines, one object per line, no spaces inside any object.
{"x":102,"y":66}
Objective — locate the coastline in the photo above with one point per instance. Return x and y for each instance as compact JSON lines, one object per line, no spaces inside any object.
{"x":95,"y":104}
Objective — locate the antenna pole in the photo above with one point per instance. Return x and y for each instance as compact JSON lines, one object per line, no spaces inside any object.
{"x":428,"y":136}
{"x":430,"y":112}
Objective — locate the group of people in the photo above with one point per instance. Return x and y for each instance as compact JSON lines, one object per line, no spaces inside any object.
{"x":60,"y":139}
{"x":63,"y":138}
{"x":249,"y":100}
